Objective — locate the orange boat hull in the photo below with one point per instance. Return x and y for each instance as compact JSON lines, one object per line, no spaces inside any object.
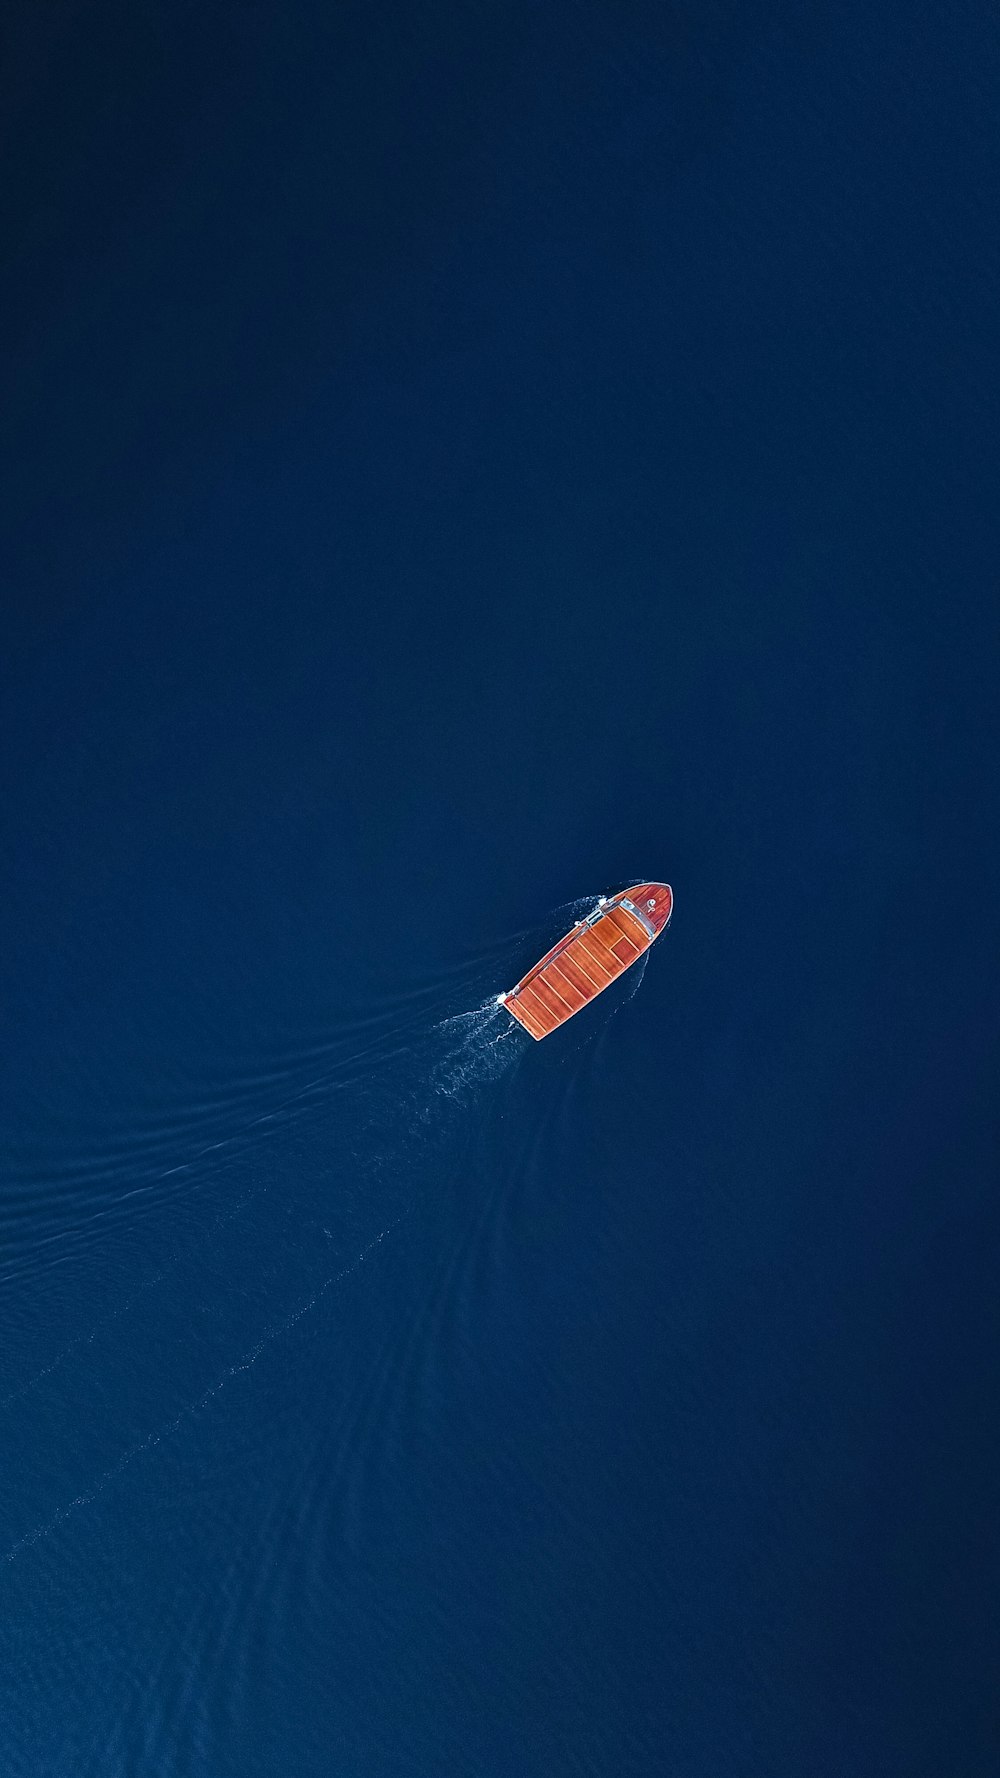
{"x":588,"y":959}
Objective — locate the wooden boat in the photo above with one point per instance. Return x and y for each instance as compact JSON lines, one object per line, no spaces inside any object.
{"x":592,"y":956}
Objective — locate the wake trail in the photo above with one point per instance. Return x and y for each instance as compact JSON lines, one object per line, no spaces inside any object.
{"x":485,"y":1045}
{"x":200,"y":1401}
{"x":253,"y":1129}
{"x":82,"y":1341}
{"x":474,"y":1048}
{"x":478,"y":1046}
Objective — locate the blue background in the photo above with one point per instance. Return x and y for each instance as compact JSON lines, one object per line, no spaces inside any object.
{"x":456,"y":460}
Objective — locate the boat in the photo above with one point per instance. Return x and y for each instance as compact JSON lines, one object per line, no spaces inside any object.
{"x":587,"y":960}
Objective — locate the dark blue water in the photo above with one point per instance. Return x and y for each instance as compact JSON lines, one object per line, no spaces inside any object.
{"x":457,"y":460}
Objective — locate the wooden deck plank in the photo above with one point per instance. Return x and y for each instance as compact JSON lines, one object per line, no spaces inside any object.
{"x":630,"y":927}
{"x":599,"y":954}
{"x":527,"y":992}
{"x":548,"y":994}
{"x":583,"y":983}
{"x":521,"y":1014}
{"x":586,"y":967}
{"x":604,"y":933}
{"x":558,"y":972}
{"x":534,"y":1014}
